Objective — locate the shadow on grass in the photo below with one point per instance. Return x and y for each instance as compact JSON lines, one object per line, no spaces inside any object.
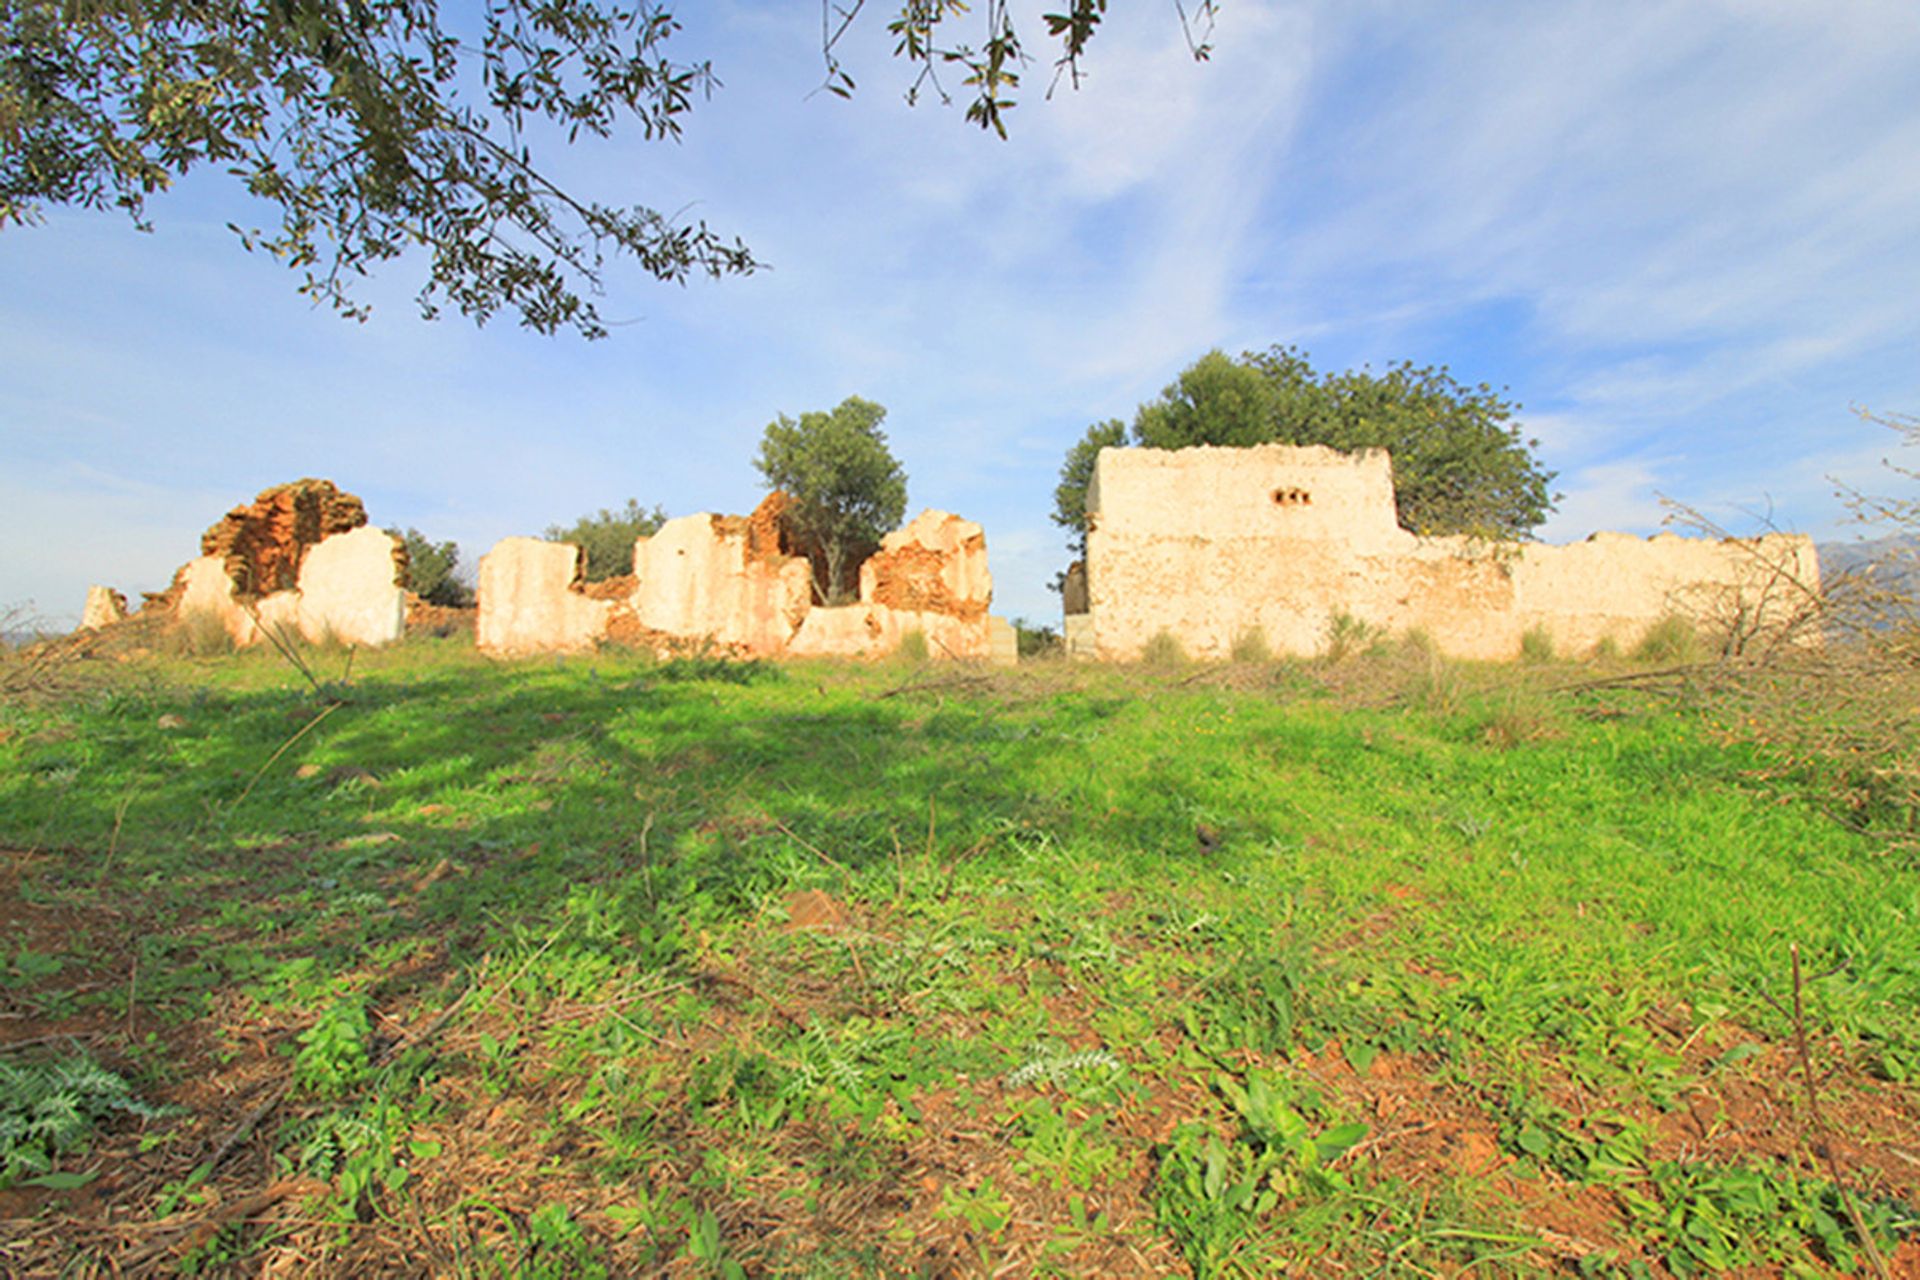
{"x":477,"y":803}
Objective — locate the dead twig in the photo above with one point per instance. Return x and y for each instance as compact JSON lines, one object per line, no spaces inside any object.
{"x":203,"y":1227}
{"x":305,"y":729}
{"x":953,"y":867}
{"x":248,"y":1123}
{"x":929,"y":686}
{"x":77,"y":1041}
{"x":810,"y":847}
{"x":1817,"y":1121}
{"x":1632,"y":678}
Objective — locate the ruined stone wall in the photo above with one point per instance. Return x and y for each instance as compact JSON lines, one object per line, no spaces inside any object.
{"x":722,"y":577}
{"x":300,"y":558}
{"x":746,"y":585}
{"x":263,"y":542}
{"x":531,"y":600}
{"x":1210,"y":544}
{"x":105,"y":606}
{"x":346,"y":589}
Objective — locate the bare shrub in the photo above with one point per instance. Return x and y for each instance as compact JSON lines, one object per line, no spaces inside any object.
{"x":1348,"y":636}
{"x":1163,"y":650}
{"x":1251,"y":646}
{"x":912,"y":648}
{"x":1673,"y":639}
{"x":36,"y":662}
{"x":1835,"y":714}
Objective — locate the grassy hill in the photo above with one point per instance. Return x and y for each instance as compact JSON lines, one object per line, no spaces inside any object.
{"x":615,"y":967}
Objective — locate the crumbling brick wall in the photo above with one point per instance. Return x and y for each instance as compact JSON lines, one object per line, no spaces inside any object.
{"x":264,"y":541}
{"x":299,"y":558}
{"x":748,"y":584}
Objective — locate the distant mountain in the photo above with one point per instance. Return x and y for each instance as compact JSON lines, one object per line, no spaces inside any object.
{"x":1897,"y":552}
{"x":1878,"y":568}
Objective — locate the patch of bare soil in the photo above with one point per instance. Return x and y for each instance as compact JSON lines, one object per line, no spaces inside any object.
{"x":427,"y":619}
{"x":222,"y":1079}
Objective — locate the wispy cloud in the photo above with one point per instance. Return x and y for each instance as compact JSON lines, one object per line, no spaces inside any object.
{"x":1680,"y":232}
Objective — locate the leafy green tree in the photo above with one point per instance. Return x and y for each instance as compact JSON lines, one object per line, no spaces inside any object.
{"x":1460,"y":464}
{"x":608,"y":537}
{"x":1215,"y":400}
{"x":377,"y":129}
{"x":432,"y":569}
{"x":847,"y":487}
{"x":1076,"y":474}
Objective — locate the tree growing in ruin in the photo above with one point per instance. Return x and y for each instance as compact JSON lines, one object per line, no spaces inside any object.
{"x":433,"y":569}
{"x":1460,"y":463}
{"x":1076,"y":474}
{"x":846,"y":485}
{"x":376,"y":127}
{"x":608,"y":537}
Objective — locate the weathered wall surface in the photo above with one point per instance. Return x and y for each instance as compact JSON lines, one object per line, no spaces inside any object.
{"x":936,"y":564}
{"x":530,"y":600}
{"x":875,"y":631}
{"x":348,"y":590}
{"x":1210,"y":544}
{"x":721,"y":577}
{"x":105,"y":606}
{"x":744,"y":584}
{"x":264,"y":542}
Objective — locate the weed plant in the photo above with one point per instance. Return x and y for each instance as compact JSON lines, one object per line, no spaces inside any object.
{"x":1671,"y":640}
{"x":1163,"y":650}
{"x":1251,"y":647}
{"x":51,"y":1107}
{"x":1536,"y":645}
{"x":1348,"y":636}
{"x":912,"y":649}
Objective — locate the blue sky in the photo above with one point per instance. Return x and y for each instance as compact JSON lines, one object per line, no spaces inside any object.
{"x":1685,"y":236}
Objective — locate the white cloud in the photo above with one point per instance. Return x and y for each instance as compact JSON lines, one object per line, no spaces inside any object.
{"x":1683,"y":231}
{"x":1620,"y":496}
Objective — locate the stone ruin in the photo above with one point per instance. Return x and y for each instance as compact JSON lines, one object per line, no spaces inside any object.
{"x":1212,"y":545}
{"x":746,"y":585}
{"x":302,"y":559}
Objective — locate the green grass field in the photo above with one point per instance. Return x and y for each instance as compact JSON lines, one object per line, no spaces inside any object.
{"x":609,"y":967}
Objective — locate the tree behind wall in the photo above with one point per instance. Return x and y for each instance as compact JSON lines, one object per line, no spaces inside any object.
{"x":847,"y":487}
{"x":432,"y":570}
{"x":608,"y":537}
{"x":1460,"y":464}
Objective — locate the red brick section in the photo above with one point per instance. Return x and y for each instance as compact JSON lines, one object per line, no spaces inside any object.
{"x":908,"y":578}
{"x":265,"y":540}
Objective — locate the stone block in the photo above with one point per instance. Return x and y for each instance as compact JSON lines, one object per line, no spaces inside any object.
{"x":105,"y":606}
{"x":1003,"y":642}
